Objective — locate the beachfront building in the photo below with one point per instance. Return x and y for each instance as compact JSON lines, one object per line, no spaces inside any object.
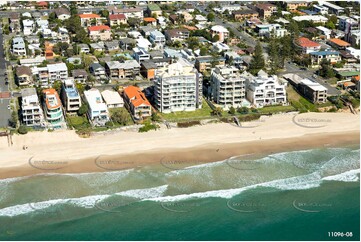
{"x":313,"y":91}
{"x":263,"y":90}
{"x":136,"y":102}
{"x":112,"y":99}
{"x":178,"y":88}
{"x":53,"y":110}
{"x":31,"y":112}
{"x":228,"y":87}
{"x":70,"y":96}
{"x":97,"y":113}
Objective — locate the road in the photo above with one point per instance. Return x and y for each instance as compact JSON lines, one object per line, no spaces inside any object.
{"x":5,"y":114}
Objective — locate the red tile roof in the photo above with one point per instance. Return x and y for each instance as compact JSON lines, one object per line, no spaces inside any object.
{"x":150,"y":19}
{"x":89,"y":15}
{"x":304,"y":42}
{"x":339,"y":42}
{"x":98,"y":28}
{"x":119,"y":16}
{"x":136,"y":96}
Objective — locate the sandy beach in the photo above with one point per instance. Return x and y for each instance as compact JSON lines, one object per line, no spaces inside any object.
{"x":64,"y":151}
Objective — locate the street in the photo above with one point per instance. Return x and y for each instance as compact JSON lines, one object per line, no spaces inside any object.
{"x":5,"y":114}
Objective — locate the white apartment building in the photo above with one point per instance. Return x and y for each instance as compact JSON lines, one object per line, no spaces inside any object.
{"x":228,"y":87}
{"x":263,"y":90}
{"x":18,"y":46}
{"x":98,"y":112}
{"x":70,"y":96}
{"x":28,"y":26}
{"x":178,"y":88}
{"x":32,"y":114}
{"x":53,"y":109}
{"x":140,"y":54}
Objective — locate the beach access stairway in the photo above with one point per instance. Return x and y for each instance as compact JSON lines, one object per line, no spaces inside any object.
{"x":349,"y":105}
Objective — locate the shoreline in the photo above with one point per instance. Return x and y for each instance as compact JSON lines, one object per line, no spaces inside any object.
{"x":175,"y":159}
{"x":65,"y":152}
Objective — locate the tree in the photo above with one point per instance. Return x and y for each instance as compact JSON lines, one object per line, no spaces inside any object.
{"x":211,"y":16}
{"x":232,"y":110}
{"x":274,"y":55}
{"x":52,"y":17}
{"x":120,"y":116}
{"x":243,"y":110}
{"x":215,"y":38}
{"x":203,"y":51}
{"x":22,"y":129}
{"x":83,"y":109}
{"x":294,"y":30}
{"x":326,"y":69}
{"x":257,"y":62}
{"x":57,"y":86}
{"x":155,"y":117}
{"x":133,"y":22}
{"x":330,"y":25}
{"x":104,"y":13}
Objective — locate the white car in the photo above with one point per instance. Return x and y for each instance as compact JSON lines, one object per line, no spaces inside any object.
{"x":9,"y":107}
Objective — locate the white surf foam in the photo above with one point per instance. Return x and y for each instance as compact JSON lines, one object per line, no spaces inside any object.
{"x":348,"y":176}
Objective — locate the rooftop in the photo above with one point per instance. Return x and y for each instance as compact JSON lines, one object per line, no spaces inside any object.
{"x":136,"y":96}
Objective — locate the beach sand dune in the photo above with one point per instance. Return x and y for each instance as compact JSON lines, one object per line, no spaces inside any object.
{"x":204,"y":143}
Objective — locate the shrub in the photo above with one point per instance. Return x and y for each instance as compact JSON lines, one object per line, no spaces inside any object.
{"x":188,"y":124}
{"x":22,"y":129}
{"x":148,"y":126}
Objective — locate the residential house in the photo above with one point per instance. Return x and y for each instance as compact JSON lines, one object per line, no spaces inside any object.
{"x":263,"y":90}
{"x":18,"y":46}
{"x":112,"y":99}
{"x":320,"y":9}
{"x":99,"y":46}
{"x":135,"y":12}
{"x":31,"y":112}
{"x":136,"y":102}
{"x":154,"y":10}
{"x":221,"y":31}
{"x":265,"y":10}
{"x":24,"y":76}
{"x":117,"y":19}
{"x":79,"y":75}
{"x":83,"y":48}
{"x":127,"y":69}
{"x":101,"y":32}
{"x":227,"y":87}
{"x":28,"y":26}
{"x":140,"y":54}
{"x":62,"y":13}
{"x":150,"y":21}
{"x":176,"y":34}
{"x":89,"y":19}
{"x":98,"y":112}
{"x":157,"y":39}
{"x":112,"y":45}
{"x":332,"y":56}
{"x":338,"y":44}
{"x":98,"y":71}
{"x":148,"y":69}
{"x":127,"y":43}
{"x":205,"y":63}
{"x":31,"y":62}
{"x":70,"y":96}
{"x":245,"y":14}
{"x":311,"y":18}
{"x":332,"y":8}
{"x":57,"y":72}
{"x":307,"y":46}
{"x":269,"y":30}
{"x":53,"y":110}
{"x":291,"y":6}
{"x":143,"y":43}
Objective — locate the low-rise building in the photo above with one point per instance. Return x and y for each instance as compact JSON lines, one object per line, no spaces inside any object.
{"x":62,"y":13}
{"x":117,"y":19}
{"x":53,"y":110}
{"x":332,"y":56}
{"x":338,"y":44}
{"x":98,"y":71}
{"x":79,"y":75}
{"x":127,"y":69}
{"x":57,"y":72}
{"x":176,"y":34}
{"x":245,"y":14}
{"x":265,"y":10}
{"x":136,"y":102}
{"x":307,"y":46}
{"x":271,"y":30}
{"x":295,"y":4}
{"x":97,"y":113}
{"x":311,"y":18}
{"x":263,"y":90}
{"x":221,"y":31}
{"x":154,"y":10}
{"x":28,"y":26}
{"x":140,"y":54}
{"x":227,"y":87}
{"x":313,"y":91}
{"x":18,"y":46}
{"x":135,"y":12}
{"x":24,"y":76}
{"x":157,"y":39}
{"x":112,"y":99}
{"x":101,"y":32}
{"x":89,"y":19}
{"x":31,"y":112}
{"x":70,"y":96}
{"x":205,"y":63}
{"x":148,"y":69}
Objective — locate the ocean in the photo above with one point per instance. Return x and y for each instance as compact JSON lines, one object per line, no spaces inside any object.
{"x":298,"y":195}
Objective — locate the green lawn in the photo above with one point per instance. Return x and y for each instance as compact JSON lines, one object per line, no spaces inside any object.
{"x":204,"y":112}
{"x":276,"y":109}
{"x":123,"y":110}
{"x":79,"y":122}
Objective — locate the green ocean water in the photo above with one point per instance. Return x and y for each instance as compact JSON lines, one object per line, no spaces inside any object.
{"x":299,"y":195}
